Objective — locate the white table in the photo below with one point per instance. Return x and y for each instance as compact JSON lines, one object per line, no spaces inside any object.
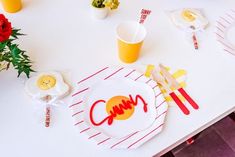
{"x":61,"y":35}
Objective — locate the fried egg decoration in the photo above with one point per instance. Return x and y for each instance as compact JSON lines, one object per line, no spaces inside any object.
{"x":186,"y":18}
{"x":46,"y":84}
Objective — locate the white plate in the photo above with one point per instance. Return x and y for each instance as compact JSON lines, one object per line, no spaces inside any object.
{"x":121,"y":87}
{"x":95,"y":93}
{"x":225,"y":31}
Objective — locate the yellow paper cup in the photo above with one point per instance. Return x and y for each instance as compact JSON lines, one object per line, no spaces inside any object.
{"x":130,"y":36}
{"x":12,"y":6}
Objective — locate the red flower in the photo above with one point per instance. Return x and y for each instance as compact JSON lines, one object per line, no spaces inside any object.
{"x":5,"y":28}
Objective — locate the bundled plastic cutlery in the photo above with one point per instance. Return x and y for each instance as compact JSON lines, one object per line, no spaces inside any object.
{"x":173,"y":83}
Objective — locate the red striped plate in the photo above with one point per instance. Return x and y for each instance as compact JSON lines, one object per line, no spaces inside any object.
{"x":118,"y":108}
{"x":225,"y":31}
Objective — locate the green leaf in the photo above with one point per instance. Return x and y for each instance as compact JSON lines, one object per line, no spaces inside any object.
{"x":2,"y":46}
{"x":15,"y":33}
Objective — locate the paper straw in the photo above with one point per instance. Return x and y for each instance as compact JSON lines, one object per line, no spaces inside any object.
{"x":144,"y":14}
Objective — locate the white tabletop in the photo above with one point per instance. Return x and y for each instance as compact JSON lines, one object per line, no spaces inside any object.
{"x":61,"y":35}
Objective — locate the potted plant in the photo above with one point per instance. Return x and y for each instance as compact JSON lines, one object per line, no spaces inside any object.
{"x":10,"y":53}
{"x":100,"y":8}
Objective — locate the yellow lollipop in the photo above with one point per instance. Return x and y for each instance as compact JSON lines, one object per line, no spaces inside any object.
{"x":47,"y":88}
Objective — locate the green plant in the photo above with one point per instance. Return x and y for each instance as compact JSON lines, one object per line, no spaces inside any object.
{"x":10,"y":53}
{"x":112,"y":4}
{"x":98,"y":3}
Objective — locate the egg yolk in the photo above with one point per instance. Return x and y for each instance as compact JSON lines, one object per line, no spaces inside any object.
{"x":189,"y":15}
{"x":46,"y":82}
{"x":114,"y":104}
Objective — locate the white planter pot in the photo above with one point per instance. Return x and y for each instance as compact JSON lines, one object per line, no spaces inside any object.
{"x":99,"y":13}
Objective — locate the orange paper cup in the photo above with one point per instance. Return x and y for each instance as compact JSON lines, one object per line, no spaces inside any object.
{"x":130,"y":36}
{"x":11,"y":6}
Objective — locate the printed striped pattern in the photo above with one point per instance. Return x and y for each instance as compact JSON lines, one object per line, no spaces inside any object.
{"x":131,"y":141}
{"x":223,"y":24}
